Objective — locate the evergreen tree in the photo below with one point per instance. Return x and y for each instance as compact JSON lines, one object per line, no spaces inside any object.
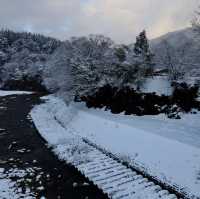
{"x":143,"y":53}
{"x":120,"y":53}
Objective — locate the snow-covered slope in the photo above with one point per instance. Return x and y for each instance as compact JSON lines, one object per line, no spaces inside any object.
{"x":176,"y":38}
{"x":183,"y":44}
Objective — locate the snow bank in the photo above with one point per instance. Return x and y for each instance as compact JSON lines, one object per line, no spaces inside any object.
{"x":65,"y":144}
{"x":5,"y":93}
{"x":169,"y":160}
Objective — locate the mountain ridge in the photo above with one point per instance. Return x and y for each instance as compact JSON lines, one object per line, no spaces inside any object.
{"x":184,"y":46}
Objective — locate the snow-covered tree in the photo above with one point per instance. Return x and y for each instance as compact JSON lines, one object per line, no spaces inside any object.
{"x":143,"y":53}
{"x":76,"y":67}
{"x":135,"y":62}
{"x":24,"y":54}
{"x":57,"y":74}
{"x":121,"y":52}
{"x":89,"y":61}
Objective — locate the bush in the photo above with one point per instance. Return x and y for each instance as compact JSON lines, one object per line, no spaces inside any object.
{"x":130,"y":101}
{"x":185,"y":96}
{"x":125,"y":100}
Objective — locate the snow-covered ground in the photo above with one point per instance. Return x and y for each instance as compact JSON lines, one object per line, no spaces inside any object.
{"x":111,"y":176}
{"x":186,"y":130}
{"x":5,"y":93}
{"x":166,"y":149}
{"x":159,"y":84}
{"x":8,"y":188}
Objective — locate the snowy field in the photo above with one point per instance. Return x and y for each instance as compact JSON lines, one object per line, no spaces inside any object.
{"x":166,"y":149}
{"x":6,"y":93}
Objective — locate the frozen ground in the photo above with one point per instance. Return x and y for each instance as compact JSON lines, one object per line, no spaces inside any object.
{"x":5,"y":93}
{"x":167,"y":149}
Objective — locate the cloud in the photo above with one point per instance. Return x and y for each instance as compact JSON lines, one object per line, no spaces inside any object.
{"x":121,"y":20}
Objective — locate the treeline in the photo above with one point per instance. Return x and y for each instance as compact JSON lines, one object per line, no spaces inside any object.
{"x":34,"y":42}
{"x":23,"y":56}
{"x":97,"y":61}
{"x":82,"y":63}
{"x":93,"y":69}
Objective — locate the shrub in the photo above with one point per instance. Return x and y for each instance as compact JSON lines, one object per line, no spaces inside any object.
{"x":185,"y":96}
{"x":125,"y":100}
{"x":130,"y":101}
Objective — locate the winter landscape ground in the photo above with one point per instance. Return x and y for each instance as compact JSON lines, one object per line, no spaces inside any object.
{"x":28,"y":168}
{"x":88,"y":117}
{"x":162,"y":153}
{"x":169,"y":152}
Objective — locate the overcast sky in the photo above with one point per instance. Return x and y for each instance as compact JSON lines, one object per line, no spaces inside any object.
{"x":119,"y":19}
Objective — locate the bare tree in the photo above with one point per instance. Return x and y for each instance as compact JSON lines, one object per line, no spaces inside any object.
{"x":174,"y":60}
{"x":196,"y":21}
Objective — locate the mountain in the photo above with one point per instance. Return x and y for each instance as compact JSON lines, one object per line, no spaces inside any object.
{"x":182,"y":46}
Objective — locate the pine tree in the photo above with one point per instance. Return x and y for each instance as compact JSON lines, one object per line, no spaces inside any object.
{"x":141,"y":45}
{"x":143,"y":53}
{"x":120,"y":53}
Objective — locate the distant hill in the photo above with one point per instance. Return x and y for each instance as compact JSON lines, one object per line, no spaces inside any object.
{"x":184,"y":48}
{"x":24,"y":54}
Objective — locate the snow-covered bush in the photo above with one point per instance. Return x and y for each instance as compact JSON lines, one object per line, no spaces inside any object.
{"x":130,"y":101}
{"x":185,"y":96}
{"x":126,"y":100}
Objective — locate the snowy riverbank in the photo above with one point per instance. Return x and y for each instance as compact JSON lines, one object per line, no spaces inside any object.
{"x":166,"y":156}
